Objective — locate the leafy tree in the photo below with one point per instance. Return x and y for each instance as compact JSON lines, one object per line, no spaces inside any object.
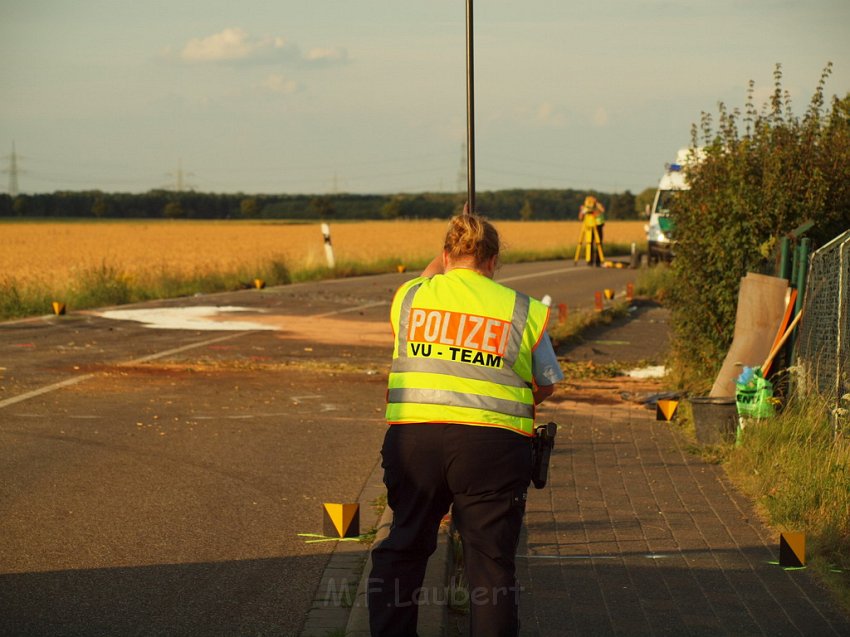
{"x":765,"y":172}
{"x":321,"y":207}
{"x":100,"y":206}
{"x":621,"y":206}
{"x":19,"y":205}
{"x":501,"y":204}
{"x":172,"y":210}
{"x":391,"y":209}
{"x":643,"y":201}
{"x":249,"y":208}
{"x":526,"y":213}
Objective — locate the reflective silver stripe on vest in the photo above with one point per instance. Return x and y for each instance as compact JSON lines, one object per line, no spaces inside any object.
{"x":503,"y":375}
{"x":459,"y":399}
{"x":406,"y":305}
{"x":518,"y":321}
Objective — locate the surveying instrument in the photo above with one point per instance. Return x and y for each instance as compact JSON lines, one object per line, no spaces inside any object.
{"x":589,"y":238}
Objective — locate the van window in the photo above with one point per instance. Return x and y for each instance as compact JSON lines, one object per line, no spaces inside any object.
{"x":665,"y":200}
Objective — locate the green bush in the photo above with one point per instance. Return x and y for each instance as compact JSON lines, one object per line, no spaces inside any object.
{"x":19,"y":301}
{"x":654,"y":282}
{"x":765,"y":172}
{"x":102,"y":286}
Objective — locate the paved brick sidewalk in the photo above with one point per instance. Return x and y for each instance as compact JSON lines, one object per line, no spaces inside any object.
{"x":636,"y":536}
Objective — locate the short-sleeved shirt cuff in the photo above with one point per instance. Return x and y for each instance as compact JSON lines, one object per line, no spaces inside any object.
{"x":544,"y":363}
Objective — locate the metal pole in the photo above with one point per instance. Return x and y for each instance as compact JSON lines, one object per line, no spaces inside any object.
{"x":784,"y":258}
{"x":800,"y":279}
{"x":470,"y":111}
{"x":842,"y":320}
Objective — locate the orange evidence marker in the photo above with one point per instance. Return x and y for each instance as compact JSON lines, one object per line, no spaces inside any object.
{"x":341,"y":520}
{"x":666,"y":409}
{"x":792,"y":549}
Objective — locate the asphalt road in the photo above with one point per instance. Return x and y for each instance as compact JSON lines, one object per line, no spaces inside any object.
{"x":155,"y":481}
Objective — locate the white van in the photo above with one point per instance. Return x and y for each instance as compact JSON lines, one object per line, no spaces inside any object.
{"x":660,"y":224}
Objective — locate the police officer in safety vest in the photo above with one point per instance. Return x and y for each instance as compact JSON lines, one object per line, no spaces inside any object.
{"x":471,"y":360}
{"x":593,"y":209}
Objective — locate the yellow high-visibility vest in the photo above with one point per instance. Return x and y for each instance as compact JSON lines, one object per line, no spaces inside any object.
{"x":463,"y":352}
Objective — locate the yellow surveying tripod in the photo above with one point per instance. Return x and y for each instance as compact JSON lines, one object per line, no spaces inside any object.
{"x":589,"y":237}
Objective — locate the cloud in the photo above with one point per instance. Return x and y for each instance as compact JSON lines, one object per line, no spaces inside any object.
{"x":231,"y":45}
{"x":549,"y":115}
{"x":600,"y":117}
{"x":326,"y":55}
{"x":234,"y":45}
{"x":277,"y":83}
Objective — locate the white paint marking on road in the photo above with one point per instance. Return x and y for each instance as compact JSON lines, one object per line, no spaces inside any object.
{"x":534,"y":275}
{"x":78,"y":379}
{"x":199,"y":317}
{"x":184,"y":348}
{"x":238,"y":416}
{"x":203,"y":317}
{"x":365,"y":306}
{"x":569,"y":557}
{"x":144,"y":359}
{"x":591,"y":557}
{"x":44,"y":390}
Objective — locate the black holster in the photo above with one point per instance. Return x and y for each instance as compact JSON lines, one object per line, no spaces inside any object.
{"x":541,"y":449}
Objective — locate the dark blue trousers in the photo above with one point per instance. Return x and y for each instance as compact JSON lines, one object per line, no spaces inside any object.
{"x":483,"y":474}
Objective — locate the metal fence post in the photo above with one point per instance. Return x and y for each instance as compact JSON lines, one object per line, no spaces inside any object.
{"x":785,"y":258}
{"x":842,"y":349}
{"x":802,"y":271}
{"x":798,"y":280}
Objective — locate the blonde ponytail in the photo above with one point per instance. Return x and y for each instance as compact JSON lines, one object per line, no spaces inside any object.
{"x":470,"y":235}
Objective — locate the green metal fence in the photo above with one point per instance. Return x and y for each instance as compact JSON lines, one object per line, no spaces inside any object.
{"x":823,"y":342}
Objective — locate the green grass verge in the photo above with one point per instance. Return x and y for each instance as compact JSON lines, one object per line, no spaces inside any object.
{"x":653,"y":282}
{"x":108,"y":285}
{"x":566,"y":253}
{"x":793,"y":465}
{"x":798,"y":471}
{"x":570,"y":330}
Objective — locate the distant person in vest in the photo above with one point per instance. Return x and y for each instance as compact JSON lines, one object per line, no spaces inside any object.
{"x":592,"y":206}
{"x":471,"y":360}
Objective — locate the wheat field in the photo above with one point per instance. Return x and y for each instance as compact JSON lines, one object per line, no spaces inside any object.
{"x":52,"y":254}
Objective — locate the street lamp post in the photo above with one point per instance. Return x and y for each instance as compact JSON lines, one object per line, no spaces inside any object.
{"x":470,"y":111}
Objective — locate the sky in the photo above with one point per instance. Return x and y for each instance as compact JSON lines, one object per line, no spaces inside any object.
{"x":369,"y":96}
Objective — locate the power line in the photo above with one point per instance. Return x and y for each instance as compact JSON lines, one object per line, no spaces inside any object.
{"x":180,"y":178}
{"x":461,"y":171}
{"x":13,"y":172}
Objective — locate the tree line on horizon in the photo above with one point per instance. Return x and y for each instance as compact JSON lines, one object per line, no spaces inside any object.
{"x":529,"y":205}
